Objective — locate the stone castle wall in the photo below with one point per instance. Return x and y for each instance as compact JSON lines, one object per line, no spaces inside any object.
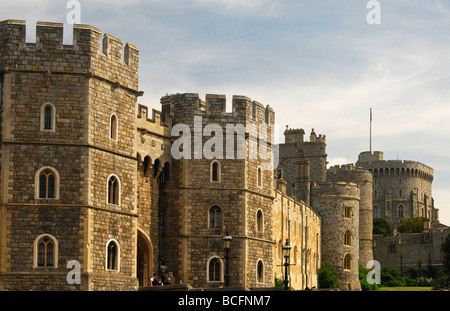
{"x":300,"y":224}
{"x":406,"y":251}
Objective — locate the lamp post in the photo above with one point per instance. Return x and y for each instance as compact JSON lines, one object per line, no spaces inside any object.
{"x":227,"y":245}
{"x":286,"y":254}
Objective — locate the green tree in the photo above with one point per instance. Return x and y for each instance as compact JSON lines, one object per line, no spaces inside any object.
{"x":445,"y":249}
{"x":381,"y":226}
{"x":365,"y":286}
{"x":327,"y":276}
{"x":412,"y":225}
{"x":391,"y":277}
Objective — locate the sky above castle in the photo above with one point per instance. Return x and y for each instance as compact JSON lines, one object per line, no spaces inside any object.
{"x":318,"y":64}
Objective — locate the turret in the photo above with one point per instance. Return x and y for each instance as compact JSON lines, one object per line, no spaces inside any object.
{"x":337,"y":203}
{"x":363,"y":178}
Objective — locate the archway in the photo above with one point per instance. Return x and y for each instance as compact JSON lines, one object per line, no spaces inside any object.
{"x":144,"y":259}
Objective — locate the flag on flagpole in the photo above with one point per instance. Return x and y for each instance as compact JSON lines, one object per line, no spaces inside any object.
{"x":370,"y":114}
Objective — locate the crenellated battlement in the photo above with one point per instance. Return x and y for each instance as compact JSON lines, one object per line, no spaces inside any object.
{"x":105,"y":58}
{"x":155,"y":124}
{"x":347,"y":172}
{"x":244,"y":110}
{"x":296,"y":136}
{"x":399,"y":168}
{"x":335,"y":188}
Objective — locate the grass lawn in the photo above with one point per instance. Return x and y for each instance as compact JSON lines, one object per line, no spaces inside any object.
{"x":406,"y":288}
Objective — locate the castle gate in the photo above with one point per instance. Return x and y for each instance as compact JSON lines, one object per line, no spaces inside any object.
{"x":144,"y":259}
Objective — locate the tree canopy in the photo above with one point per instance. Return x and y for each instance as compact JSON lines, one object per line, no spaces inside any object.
{"x":381,"y":226}
{"x":445,"y":248}
{"x":412,"y":225}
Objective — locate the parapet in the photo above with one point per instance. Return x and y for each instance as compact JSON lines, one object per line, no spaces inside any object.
{"x":368,"y":156}
{"x":399,"y":168}
{"x":156,"y":116}
{"x":244,"y":110}
{"x":349,"y":172}
{"x":342,"y":189}
{"x":293,"y":136}
{"x":89,"y":54}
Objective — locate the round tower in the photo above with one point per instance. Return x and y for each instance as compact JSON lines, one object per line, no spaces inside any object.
{"x":338,"y":205}
{"x":401,"y":189}
{"x":364,"y":179}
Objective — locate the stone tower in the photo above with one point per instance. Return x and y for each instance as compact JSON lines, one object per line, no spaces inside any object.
{"x":338,"y":205}
{"x":363,"y":178}
{"x":218,"y":186}
{"x":402,"y":189}
{"x":68,"y":168}
{"x":302,"y":162}
{"x":341,"y":195}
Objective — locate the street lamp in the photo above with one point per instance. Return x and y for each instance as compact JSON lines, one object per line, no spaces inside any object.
{"x":286,"y":254}
{"x":227,"y":245}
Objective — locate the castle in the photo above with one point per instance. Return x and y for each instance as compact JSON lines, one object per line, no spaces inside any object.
{"x":90,"y":176}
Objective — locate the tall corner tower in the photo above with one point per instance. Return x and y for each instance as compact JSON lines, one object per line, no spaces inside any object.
{"x":68,"y":165}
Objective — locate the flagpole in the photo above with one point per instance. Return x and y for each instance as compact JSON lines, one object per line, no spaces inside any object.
{"x":370,"y":130}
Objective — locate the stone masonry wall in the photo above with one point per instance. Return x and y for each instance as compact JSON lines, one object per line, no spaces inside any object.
{"x":84,"y":85}
{"x":236,"y":193}
{"x":302,"y":225}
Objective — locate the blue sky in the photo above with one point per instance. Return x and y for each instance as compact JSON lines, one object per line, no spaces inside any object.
{"x":319,"y":64}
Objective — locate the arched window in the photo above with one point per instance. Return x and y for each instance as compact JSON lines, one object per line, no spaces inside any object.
{"x":259,"y":177}
{"x":347,"y":238}
{"x":113,"y":126}
{"x":259,"y":221}
{"x":112,"y":255}
{"x":400,"y":211}
{"x":146,"y":164}
{"x":47,"y":183}
{"x":215,"y":270}
{"x":348,"y":262}
{"x":260,"y":272}
{"x":113,"y":190}
{"x":215,"y":214}
{"x":48,"y":116}
{"x":376,"y":212}
{"x":215,"y":171}
{"x":45,"y":251}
